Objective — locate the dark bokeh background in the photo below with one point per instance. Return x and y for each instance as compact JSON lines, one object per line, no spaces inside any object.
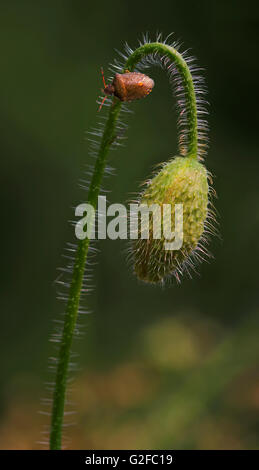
{"x":174,"y":367}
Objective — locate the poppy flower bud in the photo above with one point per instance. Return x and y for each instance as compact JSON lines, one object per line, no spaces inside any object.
{"x":181,"y":183}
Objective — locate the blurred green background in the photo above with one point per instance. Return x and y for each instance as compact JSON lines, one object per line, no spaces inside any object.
{"x":159,"y":368}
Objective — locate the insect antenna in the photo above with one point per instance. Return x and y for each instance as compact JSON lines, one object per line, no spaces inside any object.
{"x":103,"y":77}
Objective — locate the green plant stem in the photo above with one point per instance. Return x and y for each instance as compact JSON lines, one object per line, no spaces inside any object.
{"x":109,"y":135}
{"x":76,"y":286}
{"x":187,"y":82}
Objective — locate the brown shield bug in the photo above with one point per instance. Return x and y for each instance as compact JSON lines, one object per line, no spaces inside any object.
{"x":128,"y":86}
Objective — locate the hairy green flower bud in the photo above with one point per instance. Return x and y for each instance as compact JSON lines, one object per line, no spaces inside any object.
{"x":181,"y":181}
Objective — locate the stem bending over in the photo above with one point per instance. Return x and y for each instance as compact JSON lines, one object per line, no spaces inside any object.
{"x":190,"y":144}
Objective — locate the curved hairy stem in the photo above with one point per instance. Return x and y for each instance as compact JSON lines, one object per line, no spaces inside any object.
{"x":176,"y":59}
{"x":108,"y":137}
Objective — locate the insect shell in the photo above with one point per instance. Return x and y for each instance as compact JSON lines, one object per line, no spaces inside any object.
{"x":128,"y":86}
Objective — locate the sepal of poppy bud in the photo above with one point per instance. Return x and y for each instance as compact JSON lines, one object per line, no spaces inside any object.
{"x":181,"y":181}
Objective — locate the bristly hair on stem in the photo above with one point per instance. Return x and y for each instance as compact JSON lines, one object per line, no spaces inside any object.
{"x":187,"y":83}
{"x":189,"y":92}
